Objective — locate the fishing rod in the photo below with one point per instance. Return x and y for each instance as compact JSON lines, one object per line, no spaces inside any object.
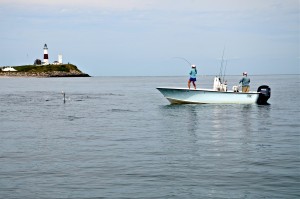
{"x":225,"y":70}
{"x":184,"y":60}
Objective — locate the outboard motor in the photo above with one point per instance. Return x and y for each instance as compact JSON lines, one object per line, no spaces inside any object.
{"x":264,"y":94}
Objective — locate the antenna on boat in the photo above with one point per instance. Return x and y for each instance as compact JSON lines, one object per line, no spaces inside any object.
{"x":184,"y":60}
{"x":221,"y":68}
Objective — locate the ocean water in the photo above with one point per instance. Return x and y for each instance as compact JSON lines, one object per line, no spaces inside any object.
{"x":118,"y":137}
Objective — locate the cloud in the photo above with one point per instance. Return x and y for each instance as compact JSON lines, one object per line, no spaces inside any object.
{"x":210,"y":13}
{"x":192,"y":5}
{"x":153,"y":30}
{"x":82,"y":4}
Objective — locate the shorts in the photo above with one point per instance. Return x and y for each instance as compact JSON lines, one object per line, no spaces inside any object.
{"x":192,"y":79}
{"x":245,"y":89}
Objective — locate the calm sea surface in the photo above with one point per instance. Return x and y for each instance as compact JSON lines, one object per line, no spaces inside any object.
{"x":118,"y":137}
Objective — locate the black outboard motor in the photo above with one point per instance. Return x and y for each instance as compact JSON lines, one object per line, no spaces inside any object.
{"x":264,"y":94}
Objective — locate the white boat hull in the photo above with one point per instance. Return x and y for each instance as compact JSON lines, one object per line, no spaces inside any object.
{"x":201,"y":96}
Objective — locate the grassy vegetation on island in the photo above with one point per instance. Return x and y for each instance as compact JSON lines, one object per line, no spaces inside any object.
{"x":51,"y":70}
{"x":47,"y":68}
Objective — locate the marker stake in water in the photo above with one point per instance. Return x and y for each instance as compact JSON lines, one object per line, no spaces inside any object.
{"x":64,"y":94}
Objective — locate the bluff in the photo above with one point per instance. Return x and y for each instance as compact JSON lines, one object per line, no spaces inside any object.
{"x":62,"y":70}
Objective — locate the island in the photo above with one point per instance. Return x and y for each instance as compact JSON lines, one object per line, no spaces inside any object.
{"x":49,"y":70}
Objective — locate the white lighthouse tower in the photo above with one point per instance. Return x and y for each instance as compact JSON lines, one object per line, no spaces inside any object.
{"x":46,"y":60}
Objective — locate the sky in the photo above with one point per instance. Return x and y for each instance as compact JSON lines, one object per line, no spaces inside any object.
{"x":146,"y":37}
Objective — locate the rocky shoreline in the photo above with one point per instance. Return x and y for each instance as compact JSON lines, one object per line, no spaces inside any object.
{"x":44,"y":74}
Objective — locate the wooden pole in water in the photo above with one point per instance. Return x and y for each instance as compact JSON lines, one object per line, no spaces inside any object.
{"x":64,"y":94}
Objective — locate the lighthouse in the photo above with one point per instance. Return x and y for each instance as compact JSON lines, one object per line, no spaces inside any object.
{"x":46,"y":60}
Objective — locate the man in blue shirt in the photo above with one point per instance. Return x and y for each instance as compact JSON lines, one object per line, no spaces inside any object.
{"x":245,"y":83}
{"x":193,"y":74}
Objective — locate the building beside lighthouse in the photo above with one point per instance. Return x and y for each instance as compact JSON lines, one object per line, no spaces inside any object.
{"x":59,"y":62}
{"x":46,"y":57}
{"x":60,"y":59}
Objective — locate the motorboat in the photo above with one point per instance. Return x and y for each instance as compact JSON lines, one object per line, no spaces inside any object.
{"x":218,"y":95}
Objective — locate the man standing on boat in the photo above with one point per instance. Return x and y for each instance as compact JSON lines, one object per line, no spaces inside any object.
{"x":193,"y":74}
{"x":245,"y":83}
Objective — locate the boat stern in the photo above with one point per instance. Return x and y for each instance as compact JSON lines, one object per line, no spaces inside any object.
{"x":264,"y":94}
